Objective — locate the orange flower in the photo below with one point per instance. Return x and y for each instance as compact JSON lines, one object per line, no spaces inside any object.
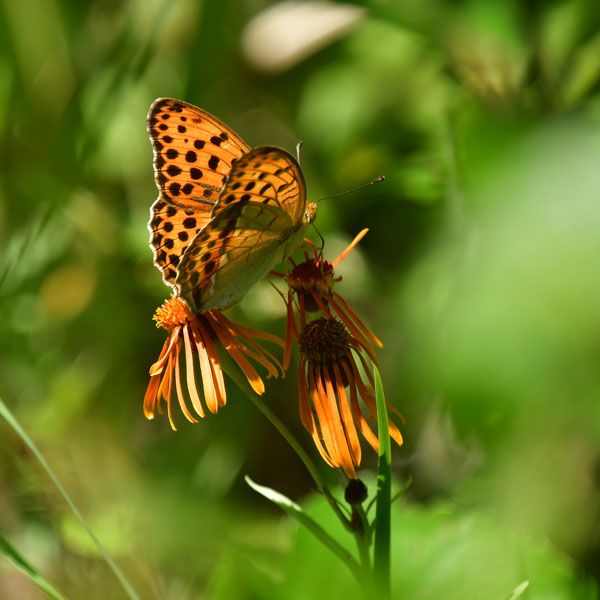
{"x":335,"y":375}
{"x":312,"y":282}
{"x":330,"y":384}
{"x":197,"y":334}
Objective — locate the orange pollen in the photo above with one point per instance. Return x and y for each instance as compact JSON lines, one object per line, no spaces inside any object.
{"x":324,"y":340}
{"x":173,"y":312}
{"x":312,"y":274}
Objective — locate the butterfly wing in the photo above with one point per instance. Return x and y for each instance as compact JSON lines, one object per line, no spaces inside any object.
{"x":257,"y":218}
{"x":193,"y":154}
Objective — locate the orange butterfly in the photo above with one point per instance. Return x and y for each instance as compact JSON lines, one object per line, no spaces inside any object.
{"x":225,"y":213}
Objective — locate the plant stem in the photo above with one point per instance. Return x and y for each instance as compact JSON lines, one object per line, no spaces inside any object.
{"x":363,"y":544}
{"x":302,"y":454}
{"x":257,"y":400}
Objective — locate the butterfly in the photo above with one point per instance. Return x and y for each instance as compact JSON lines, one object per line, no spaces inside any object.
{"x":225,"y":213}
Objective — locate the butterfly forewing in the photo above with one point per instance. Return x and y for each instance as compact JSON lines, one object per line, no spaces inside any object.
{"x":193,"y":151}
{"x":193,"y":154}
{"x":172,"y":229}
{"x":258,"y":211}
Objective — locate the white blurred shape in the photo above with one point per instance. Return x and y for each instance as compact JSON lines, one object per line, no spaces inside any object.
{"x":284,"y":34}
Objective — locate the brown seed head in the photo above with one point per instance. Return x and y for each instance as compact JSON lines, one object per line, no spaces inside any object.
{"x":324,"y":340}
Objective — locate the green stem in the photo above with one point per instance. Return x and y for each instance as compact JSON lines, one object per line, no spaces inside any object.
{"x":234,"y":372}
{"x":302,"y":454}
{"x":363,"y":544}
{"x":382,"y":554}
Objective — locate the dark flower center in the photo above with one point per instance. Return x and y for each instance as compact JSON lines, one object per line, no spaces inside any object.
{"x":311,"y":274}
{"x":324,"y":340}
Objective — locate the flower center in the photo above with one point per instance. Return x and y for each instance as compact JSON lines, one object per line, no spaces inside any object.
{"x":173,"y":312}
{"x":312,"y":274}
{"x":324,"y":340}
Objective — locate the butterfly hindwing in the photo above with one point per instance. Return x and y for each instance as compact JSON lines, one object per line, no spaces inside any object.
{"x":193,"y":154}
{"x":260,"y":209}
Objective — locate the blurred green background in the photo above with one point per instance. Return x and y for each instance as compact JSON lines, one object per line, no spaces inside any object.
{"x":481,"y":274}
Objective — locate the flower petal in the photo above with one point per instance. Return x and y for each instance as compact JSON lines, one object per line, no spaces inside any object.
{"x":357,"y":320}
{"x":350,"y":247}
{"x":325,"y":388}
{"x":150,"y":397}
{"x":306,"y":413}
{"x":346,"y":413}
{"x":191,"y":379}
{"x":180,"y":397}
{"x":210,"y":395}
{"x":157,"y":367}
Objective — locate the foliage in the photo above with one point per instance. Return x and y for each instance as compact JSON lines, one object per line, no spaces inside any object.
{"x":479,"y":274}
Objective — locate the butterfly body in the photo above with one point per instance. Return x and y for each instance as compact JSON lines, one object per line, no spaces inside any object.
{"x":225,"y":213}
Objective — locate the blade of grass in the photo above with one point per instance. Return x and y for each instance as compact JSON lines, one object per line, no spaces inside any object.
{"x":20,"y":563}
{"x":381,"y":559}
{"x":10,"y":419}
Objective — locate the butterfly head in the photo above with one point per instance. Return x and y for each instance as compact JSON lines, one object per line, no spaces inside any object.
{"x":310,"y":213}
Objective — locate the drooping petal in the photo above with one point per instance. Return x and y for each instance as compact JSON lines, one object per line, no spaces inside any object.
{"x":354,"y":317}
{"x":362,"y":340}
{"x":363,"y":426}
{"x":306,"y":412}
{"x":325,"y":388}
{"x":190,"y":376}
{"x":249,"y":371}
{"x":210,"y":397}
{"x":217,"y":373}
{"x":211,"y":368}
{"x":167,"y":348}
{"x":246,"y":332}
{"x":164,"y":391}
{"x":347,"y":418}
{"x":180,"y":397}
{"x":150,"y":397}
{"x":321,"y":409}
{"x":368,"y":396}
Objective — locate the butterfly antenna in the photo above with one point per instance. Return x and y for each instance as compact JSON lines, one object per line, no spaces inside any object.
{"x":298,"y":146}
{"x":360,"y":187}
{"x":322,"y":239}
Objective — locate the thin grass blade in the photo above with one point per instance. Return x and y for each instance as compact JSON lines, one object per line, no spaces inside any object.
{"x":10,"y":419}
{"x":20,"y":563}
